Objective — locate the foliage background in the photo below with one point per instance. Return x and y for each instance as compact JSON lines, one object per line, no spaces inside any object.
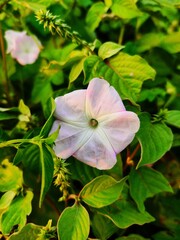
{"x":135,"y":46}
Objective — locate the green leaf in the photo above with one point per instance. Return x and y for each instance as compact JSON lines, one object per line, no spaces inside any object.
{"x":42,"y":89}
{"x":70,"y":55}
{"x":11,"y":177}
{"x":146,"y":182}
{"x":51,"y":138}
{"x":13,"y":109}
{"x":7,"y":116}
{"x":16,"y":213}
{"x":8,"y":113}
{"x":103,"y":228}
{"x":151,"y":94}
{"x":30,"y":231}
{"x":24,"y":109}
{"x":47,"y":126}
{"x":74,"y":223}
{"x":125,"y":9}
{"x":124,"y":72}
{"x":165,"y":235}
{"x":155,"y":140}
{"x":21,"y":153}
{"x":168,"y":210}
{"x":6,"y":199}
{"x":133,"y":237}
{"x":47,"y":168}
{"x":123,"y":213}
{"x":173,"y":118}
{"x":102,"y":191}
{"x":76,"y":70}
{"x":176,"y":140}
{"x":82,"y":172}
{"x":35,"y":156}
{"x":33,"y":4}
{"x":147,"y":41}
{"x":94,"y":15}
{"x":108,"y":3}
{"x":168,"y":3}
{"x":3,"y":135}
{"x":171,"y":43}
{"x":133,"y":70}
{"x":108,"y":49}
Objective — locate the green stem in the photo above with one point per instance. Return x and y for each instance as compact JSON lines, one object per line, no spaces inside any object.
{"x":14,"y":142}
{"x":121,"y":35}
{"x":5,"y":81}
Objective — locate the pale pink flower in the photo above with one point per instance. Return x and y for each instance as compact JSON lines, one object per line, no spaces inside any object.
{"x":25,"y":49}
{"x":95,"y":125}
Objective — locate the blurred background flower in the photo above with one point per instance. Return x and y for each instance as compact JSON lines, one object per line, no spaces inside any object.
{"x":25,"y":49}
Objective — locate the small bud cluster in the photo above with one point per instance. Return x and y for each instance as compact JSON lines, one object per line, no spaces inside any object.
{"x":57,"y":25}
{"x":61,"y":175}
{"x":47,"y":232}
{"x":161,"y":116}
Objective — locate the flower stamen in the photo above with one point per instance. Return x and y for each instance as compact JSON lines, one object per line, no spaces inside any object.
{"x":93,"y":123}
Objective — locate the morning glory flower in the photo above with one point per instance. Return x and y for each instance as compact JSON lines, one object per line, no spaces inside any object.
{"x":25,"y":49}
{"x":95,"y":125}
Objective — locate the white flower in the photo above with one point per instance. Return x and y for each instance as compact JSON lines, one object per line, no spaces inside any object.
{"x":22,"y":47}
{"x":95,"y":125}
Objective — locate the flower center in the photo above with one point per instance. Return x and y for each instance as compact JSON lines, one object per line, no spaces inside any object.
{"x":93,"y":123}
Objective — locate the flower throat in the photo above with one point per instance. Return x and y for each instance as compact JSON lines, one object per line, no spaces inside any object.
{"x":93,"y":123}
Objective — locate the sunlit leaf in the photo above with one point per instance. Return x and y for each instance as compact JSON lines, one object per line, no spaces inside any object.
{"x":102,"y":191}
{"x":171,"y":43}
{"x":74,"y":223}
{"x":30,"y":231}
{"x":33,"y":4}
{"x":147,"y":41}
{"x":94,"y":15}
{"x":125,"y":9}
{"x":24,"y":109}
{"x":16,"y":213}
{"x":76,"y":70}
{"x":168,"y":3}
{"x":126,"y":73}
{"x":6,"y":199}
{"x":108,"y":49}
{"x":11,"y":177}
{"x":108,"y":2}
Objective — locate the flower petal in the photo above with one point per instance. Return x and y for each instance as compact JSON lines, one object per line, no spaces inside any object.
{"x":70,"y":138}
{"x":71,"y":107}
{"x":11,"y":37}
{"x":102,"y":99}
{"x":97,"y":151}
{"x":120,"y":128}
{"x":26,"y":50}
